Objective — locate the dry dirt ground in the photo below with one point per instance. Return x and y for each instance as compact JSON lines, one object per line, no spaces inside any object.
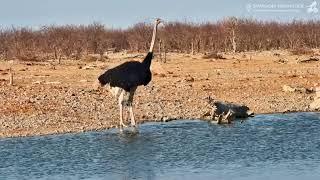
{"x":49,"y":98}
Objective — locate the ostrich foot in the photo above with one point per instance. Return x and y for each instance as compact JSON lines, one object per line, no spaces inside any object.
{"x":135,"y":129}
{"x":123,"y":125}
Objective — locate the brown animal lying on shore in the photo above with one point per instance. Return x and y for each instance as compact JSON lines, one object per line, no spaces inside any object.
{"x":225,"y":113}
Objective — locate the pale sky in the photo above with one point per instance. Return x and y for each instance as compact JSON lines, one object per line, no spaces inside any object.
{"x":123,"y":13}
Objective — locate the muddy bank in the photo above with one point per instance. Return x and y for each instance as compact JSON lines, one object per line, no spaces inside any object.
{"x":47,"y":98}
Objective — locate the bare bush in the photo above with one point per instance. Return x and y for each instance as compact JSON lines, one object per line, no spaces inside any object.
{"x":228,"y":35}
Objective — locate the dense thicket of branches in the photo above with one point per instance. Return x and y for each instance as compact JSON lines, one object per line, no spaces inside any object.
{"x":71,"y":41}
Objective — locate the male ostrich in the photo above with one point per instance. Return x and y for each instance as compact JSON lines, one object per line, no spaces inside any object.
{"x":124,"y":79}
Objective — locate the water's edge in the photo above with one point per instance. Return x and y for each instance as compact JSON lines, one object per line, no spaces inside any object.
{"x":147,"y":122}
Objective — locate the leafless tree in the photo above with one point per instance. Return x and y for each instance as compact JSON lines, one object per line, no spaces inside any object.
{"x":231,"y":34}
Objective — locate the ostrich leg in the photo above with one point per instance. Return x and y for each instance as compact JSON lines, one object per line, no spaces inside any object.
{"x":133,"y":122}
{"x":121,"y":111}
{"x":121,"y":117}
{"x":132,"y":91}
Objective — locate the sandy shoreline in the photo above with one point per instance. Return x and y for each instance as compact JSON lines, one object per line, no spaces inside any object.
{"x":48,"y":98}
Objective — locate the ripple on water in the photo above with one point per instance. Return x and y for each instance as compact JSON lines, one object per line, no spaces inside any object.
{"x":278,"y":146}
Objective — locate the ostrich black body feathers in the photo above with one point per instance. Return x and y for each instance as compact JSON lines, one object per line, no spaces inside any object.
{"x":129,"y":74}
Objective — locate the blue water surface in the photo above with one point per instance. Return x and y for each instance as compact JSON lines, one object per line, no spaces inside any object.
{"x":278,"y":146}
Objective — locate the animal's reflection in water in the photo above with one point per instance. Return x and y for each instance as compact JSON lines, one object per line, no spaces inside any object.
{"x":129,"y":132}
{"x":129,"y":135}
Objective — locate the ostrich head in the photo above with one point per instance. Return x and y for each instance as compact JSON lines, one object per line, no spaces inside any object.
{"x":158,"y":21}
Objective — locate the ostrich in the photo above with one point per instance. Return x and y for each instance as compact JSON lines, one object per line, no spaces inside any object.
{"x":123,"y":80}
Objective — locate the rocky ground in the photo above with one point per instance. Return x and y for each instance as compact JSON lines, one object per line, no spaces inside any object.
{"x":48,"y":98}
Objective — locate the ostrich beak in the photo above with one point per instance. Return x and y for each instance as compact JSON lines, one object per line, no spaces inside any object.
{"x":159,"y":20}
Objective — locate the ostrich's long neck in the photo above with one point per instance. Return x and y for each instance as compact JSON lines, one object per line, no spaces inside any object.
{"x":148,"y":58}
{"x":155,"y":28}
